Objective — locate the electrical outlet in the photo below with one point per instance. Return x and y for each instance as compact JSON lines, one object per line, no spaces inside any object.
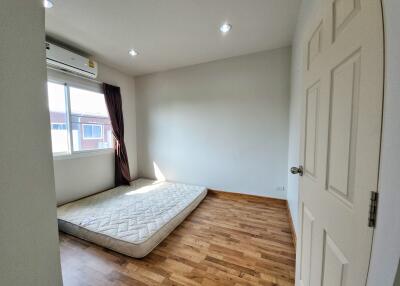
{"x":280,"y":188}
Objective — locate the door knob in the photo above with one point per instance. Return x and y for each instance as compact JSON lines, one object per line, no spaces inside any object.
{"x":297,"y":170}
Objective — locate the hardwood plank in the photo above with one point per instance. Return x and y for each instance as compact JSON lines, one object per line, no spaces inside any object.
{"x":230,"y":239}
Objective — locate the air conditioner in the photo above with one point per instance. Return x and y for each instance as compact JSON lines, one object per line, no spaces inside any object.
{"x":62,"y":59}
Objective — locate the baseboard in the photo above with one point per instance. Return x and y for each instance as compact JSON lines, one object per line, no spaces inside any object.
{"x":293,"y":230}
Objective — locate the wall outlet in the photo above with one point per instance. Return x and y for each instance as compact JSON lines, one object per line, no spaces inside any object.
{"x":280,"y":188}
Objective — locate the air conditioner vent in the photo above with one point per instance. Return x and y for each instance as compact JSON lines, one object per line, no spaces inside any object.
{"x":63,"y":59}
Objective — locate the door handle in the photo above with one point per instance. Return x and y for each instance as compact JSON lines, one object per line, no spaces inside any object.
{"x":297,"y":170}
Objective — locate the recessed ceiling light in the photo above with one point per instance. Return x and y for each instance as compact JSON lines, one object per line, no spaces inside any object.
{"x":48,"y":4}
{"x":225,"y":28}
{"x":133,"y":53}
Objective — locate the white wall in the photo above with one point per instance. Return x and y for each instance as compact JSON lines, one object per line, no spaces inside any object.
{"x":29,"y":253}
{"x":82,"y":176}
{"x":222,"y":124}
{"x":386,"y":245}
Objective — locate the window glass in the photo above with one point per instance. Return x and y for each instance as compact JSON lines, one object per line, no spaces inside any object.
{"x":58,"y":117}
{"x":91,"y":128}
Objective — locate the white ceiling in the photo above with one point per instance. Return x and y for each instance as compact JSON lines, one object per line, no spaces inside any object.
{"x":170,"y":33}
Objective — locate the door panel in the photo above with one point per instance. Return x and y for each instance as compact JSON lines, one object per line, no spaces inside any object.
{"x":343,"y":12}
{"x":335,"y":263}
{"x":312,"y":106}
{"x":306,"y":246}
{"x":343,"y":127}
{"x":342,"y":108}
{"x":314,"y":45}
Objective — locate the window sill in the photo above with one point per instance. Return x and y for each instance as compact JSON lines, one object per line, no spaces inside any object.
{"x":83,"y":154}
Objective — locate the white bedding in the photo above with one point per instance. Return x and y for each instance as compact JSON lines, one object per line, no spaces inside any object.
{"x":131,"y":220}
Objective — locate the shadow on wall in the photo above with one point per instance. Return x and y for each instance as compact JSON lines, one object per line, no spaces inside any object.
{"x":157,"y":172}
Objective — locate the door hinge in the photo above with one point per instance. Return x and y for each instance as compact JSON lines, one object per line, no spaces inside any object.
{"x":373,"y":208}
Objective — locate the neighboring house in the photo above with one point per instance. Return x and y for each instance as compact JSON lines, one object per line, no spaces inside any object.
{"x":88,"y":133}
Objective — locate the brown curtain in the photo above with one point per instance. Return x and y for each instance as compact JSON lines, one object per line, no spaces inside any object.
{"x":112,"y":96}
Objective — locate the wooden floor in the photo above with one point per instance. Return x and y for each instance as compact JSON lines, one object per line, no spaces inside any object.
{"x":228,"y":240}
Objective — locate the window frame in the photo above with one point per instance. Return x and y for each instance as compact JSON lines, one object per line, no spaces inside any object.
{"x":71,"y":153}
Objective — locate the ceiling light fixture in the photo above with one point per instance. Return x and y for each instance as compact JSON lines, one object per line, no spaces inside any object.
{"x":133,"y":53}
{"x":48,"y":4}
{"x":225,"y":28}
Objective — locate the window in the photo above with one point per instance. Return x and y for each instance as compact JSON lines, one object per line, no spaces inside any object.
{"x":58,"y":126}
{"x":79,"y":119}
{"x":92,"y":131}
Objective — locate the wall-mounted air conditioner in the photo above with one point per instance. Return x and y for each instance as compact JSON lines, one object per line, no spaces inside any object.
{"x":62,"y":59}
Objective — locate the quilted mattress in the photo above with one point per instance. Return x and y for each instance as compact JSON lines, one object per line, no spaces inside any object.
{"x":133,"y":219}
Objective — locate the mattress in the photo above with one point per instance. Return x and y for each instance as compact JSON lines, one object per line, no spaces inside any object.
{"x":133,"y":219}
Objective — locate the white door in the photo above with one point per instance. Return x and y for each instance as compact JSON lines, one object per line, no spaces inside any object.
{"x":342,"y":103}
